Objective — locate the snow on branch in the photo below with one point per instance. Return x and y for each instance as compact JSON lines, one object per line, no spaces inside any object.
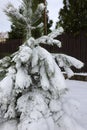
{"x":31,"y":42}
{"x":5,"y":62}
{"x":52,"y":72}
{"x":14,"y":14}
{"x":38,"y":13}
{"x":48,"y":41}
{"x":66,"y":62}
{"x":56,"y":32}
{"x":40,"y":9}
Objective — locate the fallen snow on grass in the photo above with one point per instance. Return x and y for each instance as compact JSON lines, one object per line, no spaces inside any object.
{"x":78,"y":92}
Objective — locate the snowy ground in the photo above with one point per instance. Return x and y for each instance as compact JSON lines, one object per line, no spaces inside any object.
{"x":78,"y":91}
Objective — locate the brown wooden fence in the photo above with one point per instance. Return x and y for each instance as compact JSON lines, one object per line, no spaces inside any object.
{"x":73,"y":46}
{"x":10,"y":45}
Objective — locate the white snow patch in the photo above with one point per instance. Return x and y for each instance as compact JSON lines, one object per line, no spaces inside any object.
{"x":10,"y":125}
{"x":23,"y":80}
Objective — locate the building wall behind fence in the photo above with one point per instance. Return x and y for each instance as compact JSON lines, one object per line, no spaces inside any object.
{"x":73,"y":46}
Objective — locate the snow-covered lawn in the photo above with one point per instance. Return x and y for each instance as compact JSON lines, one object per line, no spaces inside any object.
{"x":78,"y":91}
{"x":76,"y":95}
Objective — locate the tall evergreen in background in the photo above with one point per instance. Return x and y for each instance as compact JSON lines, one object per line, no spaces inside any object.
{"x":19,"y":30}
{"x":73,"y":16}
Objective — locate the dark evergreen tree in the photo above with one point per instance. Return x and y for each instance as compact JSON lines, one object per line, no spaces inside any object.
{"x":73,"y":16}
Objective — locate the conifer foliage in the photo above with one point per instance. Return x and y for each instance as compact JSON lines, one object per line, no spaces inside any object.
{"x":73,"y":16}
{"x":32,"y":86}
{"x":25,"y":18}
{"x":19,"y":26}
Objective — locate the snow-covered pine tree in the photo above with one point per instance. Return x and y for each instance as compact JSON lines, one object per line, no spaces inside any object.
{"x":32,"y":86}
{"x":27,"y":17}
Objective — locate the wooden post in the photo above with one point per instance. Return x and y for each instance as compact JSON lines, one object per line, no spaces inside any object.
{"x":45,"y":19}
